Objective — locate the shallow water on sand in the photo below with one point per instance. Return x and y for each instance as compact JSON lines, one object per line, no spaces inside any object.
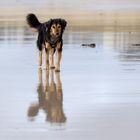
{"x":95,"y":96}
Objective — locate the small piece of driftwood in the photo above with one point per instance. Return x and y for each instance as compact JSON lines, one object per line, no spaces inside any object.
{"x":135,"y":44}
{"x":93,"y":45}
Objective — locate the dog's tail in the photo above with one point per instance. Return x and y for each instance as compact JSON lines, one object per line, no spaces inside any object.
{"x":33,"y":21}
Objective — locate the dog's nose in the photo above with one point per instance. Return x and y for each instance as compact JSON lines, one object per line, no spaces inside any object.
{"x":57,"y":33}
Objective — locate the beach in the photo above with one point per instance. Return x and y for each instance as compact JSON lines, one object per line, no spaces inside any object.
{"x":96,"y":95}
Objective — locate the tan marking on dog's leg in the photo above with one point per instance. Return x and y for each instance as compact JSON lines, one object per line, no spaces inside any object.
{"x":40,"y":58}
{"x":47,"y":46}
{"x":58,"y":58}
{"x":47,"y":61}
{"x":51,"y":58}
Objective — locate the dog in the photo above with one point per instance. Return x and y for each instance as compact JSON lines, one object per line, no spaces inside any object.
{"x":49,"y":38}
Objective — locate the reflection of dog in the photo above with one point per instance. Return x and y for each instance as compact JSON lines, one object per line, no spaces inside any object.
{"x":49,"y":37}
{"x":50,"y":98}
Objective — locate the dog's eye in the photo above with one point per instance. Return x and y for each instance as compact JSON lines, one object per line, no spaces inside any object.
{"x":59,"y":26}
{"x":53,"y":26}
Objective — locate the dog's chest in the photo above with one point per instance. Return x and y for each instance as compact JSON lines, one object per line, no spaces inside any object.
{"x":53,"y":42}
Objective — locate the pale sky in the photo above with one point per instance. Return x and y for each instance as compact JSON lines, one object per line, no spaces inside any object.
{"x":79,"y":4}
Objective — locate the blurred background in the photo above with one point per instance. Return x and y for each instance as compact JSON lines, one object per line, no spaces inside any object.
{"x":82,"y":16}
{"x":85,"y":13}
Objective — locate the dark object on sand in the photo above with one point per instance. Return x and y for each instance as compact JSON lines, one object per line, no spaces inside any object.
{"x":93,"y":45}
{"x":135,"y":44}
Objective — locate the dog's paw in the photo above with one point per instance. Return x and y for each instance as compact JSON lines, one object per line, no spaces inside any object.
{"x":52,"y":67}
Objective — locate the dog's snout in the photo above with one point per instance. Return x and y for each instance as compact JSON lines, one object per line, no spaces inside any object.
{"x":57,"y":33}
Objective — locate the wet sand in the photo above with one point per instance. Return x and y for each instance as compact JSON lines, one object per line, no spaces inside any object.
{"x":95,"y":96}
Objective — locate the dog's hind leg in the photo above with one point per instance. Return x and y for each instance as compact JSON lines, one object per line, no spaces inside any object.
{"x":47,"y":48}
{"x":40,"y":48}
{"x":47,"y":59}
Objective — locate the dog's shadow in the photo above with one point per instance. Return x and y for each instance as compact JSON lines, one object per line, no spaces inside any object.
{"x":50,"y":98}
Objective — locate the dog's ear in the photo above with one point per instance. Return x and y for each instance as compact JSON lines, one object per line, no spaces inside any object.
{"x":48,"y":24}
{"x":63,"y":23}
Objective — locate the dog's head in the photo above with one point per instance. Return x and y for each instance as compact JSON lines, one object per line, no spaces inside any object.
{"x":56,"y":27}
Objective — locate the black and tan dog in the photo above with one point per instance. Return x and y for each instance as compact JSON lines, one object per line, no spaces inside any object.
{"x":49,"y":37}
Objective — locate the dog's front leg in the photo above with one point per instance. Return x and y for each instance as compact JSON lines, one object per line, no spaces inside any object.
{"x":47,"y":48}
{"x":58,"y":56}
{"x":51,"y":58}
